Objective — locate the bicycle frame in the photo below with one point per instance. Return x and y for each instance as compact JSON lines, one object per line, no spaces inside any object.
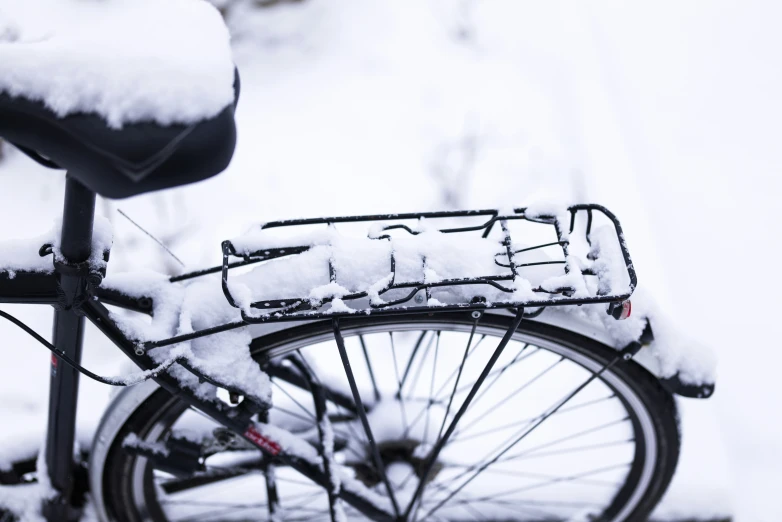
{"x":75,"y":293}
{"x":61,"y":290}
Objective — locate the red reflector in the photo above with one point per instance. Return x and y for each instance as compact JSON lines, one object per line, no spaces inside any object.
{"x":262,"y":441}
{"x":627,"y":308}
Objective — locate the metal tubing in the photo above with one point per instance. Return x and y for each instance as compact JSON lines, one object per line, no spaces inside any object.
{"x":272,"y":496}
{"x":77,"y":221}
{"x":28,"y":288}
{"x":326,"y":439}
{"x":223,"y":414}
{"x":378,"y":461}
{"x":68,"y":334}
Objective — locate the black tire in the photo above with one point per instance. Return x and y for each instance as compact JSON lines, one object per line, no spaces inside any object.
{"x":119,"y":490}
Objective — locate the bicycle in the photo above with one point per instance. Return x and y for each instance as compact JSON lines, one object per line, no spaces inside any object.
{"x":401,"y":301}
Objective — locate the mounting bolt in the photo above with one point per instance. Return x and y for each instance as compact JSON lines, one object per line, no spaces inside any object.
{"x":419,"y":298}
{"x":627,"y":356}
{"x":140,"y":350}
{"x":476,"y":314}
{"x":94,"y":279}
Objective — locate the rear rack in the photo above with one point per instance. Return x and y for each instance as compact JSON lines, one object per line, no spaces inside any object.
{"x":605,"y":270}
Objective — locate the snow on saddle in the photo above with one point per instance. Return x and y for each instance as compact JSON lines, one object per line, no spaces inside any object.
{"x":128,"y":95}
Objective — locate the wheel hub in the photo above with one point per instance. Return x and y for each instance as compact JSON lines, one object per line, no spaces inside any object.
{"x":406,"y":452}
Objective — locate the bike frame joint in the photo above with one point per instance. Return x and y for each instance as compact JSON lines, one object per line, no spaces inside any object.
{"x":84,"y":278}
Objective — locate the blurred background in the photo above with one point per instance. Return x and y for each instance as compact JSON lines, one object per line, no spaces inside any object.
{"x":666,"y":112}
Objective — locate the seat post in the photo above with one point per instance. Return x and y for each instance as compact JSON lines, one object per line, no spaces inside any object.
{"x":68,"y":334}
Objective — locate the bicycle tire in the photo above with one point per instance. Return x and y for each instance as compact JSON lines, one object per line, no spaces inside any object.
{"x":119,"y":487}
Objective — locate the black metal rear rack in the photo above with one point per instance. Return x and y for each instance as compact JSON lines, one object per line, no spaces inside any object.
{"x":408,"y":296}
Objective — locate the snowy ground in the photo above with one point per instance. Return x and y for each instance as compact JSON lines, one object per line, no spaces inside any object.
{"x":382,"y":106}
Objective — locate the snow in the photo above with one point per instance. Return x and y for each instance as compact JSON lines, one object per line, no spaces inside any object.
{"x":128,"y":61}
{"x":349,"y":109}
{"x":25,"y":500}
{"x":181,"y":309}
{"x":16,"y":449}
{"x":23,"y":254}
{"x":290,"y":444}
{"x":363,"y":264}
{"x":133,"y":441}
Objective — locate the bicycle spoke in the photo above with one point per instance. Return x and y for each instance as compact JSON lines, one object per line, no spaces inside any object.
{"x":502,"y":369}
{"x":515,"y":503}
{"x":534,"y":502}
{"x":462,"y":438}
{"x":369,"y":367}
{"x":535,"y":511}
{"x":574,"y":450}
{"x":450,"y":400}
{"x":342,"y":408}
{"x":567,"y":438}
{"x":297,"y":482}
{"x":410,"y":362}
{"x":398,"y":380}
{"x":420,"y":414}
{"x":456,"y":370}
{"x":421,"y":365}
{"x":362,"y":413}
{"x":513,"y":394}
{"x":523,"y":474}
{"x":466,"y":404}
{"x":358,"y":436}
{"x":579,"y":477}
{"x":555,"y":480}
{"x":458,"y":377}
{"x":291,"y":413}
{"x":431,"y":389}
{"x":543,"y":418}
{"x":473,"y":467}
{"x":471,"y":393}
{"x":190,"y":502}
{"x":472,"y":512}
{"x":296,"y":402}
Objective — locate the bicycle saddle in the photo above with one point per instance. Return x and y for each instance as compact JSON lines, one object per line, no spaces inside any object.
{"x":143,"y":114}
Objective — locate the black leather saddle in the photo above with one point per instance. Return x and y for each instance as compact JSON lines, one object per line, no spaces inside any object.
{"x":118,"y":163}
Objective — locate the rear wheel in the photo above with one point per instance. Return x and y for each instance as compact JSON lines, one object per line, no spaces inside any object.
{"x":607,"y":454}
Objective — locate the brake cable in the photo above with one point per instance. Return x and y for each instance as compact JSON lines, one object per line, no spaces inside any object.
{"x":112,"y":381}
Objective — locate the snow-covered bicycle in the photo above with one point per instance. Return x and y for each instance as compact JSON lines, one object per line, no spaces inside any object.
{"x":461,"y":365}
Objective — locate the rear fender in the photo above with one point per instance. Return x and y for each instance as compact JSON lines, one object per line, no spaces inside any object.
{"x":569,"y":321}
{"x":576,"y":323}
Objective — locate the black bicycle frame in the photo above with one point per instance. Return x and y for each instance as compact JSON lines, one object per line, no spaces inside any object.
{"x":68,"y":336}
{"x":65,"y":289}
{"x":72,"y":287}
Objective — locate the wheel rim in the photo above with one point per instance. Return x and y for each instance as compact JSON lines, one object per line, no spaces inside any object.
{"x":526,"y":486}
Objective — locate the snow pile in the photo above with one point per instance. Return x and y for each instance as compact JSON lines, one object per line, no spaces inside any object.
{"x":167,"y":61}
{"x":672,"y":352}
{"x":133,"y":441}
{"x":180,"y":309}
{"x":25,"y":500}
{"x":363,"y":264}
{"x":371,"y":263}
{"x":23,"y":255}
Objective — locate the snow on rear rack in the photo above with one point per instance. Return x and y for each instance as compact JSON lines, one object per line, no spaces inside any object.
{"x":423,"y":262}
